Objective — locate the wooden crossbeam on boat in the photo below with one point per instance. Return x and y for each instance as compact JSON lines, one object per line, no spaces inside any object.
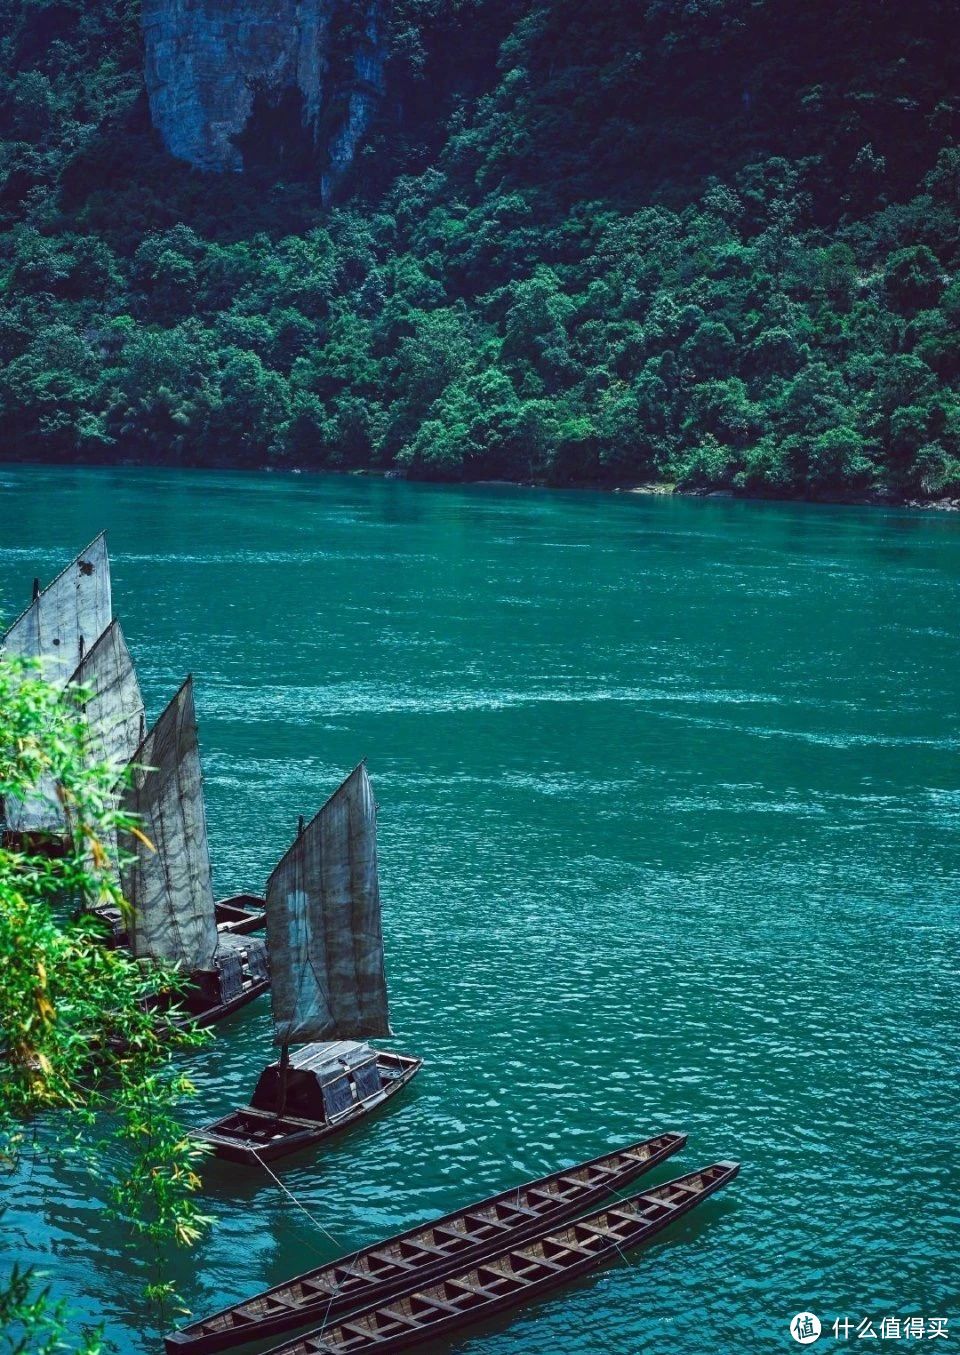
{"x":553,"y":1194}
{"x":422,"y":1248}
{"x":497,"y":1224}
{"x":434,"y":1249}
{"x":376,"y":1254}
{"x":516,"y":1275}
{"x":462,"y":1283}
{"x":580,"y":1246}
{"x":351,"y":1272}
{"x":529,"y":1212}
{"x":400,"y":1317}
{"x":452,"y":1234}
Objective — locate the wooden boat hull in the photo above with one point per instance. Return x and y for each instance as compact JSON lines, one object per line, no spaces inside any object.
{"x":52,"y":845}
{"x":202,"y":1016}
{"x":252,"y":1135}
{"x":517,"y":1275}
{"x":210,"y":1015}
{"x":239,"y":975}
{"x":446,"y":1244}
{"x":240,"y":914}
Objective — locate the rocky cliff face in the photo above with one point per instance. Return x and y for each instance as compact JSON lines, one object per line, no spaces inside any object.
{"x":281,"y":83}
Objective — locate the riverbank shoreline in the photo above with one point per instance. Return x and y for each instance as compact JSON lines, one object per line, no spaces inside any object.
{"x":650,"y":488}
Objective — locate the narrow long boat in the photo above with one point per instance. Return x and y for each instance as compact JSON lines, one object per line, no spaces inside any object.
{"x":512,"y":1276}
{"x":424,"y":1253}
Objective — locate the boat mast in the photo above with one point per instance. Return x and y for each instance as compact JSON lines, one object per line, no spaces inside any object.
{"x":285,"y":1048}
{"x":284,"y":1076}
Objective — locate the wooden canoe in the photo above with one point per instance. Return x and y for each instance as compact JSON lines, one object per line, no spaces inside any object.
{"x":256,"y":1134}
{"x":512,"y":1276}
{"x":425,"y":1253}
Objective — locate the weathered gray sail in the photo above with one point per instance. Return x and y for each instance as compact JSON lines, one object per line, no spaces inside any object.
{"x":169,"y":888}
{"x":323,"y":925}
{"x":113,"y":711}
{"x":62,"y":622}
{"x":67,"y":618}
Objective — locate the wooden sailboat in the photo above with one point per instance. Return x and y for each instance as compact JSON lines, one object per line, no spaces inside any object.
{"x":329,"y":992}
{"x":116,"y":735}
{"x":69,"y":626}
{"x":63,"y":620}
{"x":166,"y":874}
{"x":424,"y":1254}
{"x":513,"y":1275}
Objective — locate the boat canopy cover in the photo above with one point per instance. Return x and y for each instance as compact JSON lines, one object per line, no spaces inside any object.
{"x":62,"y":622}
{"x":114,"y":709}
{"x":67,"y":618}
{"x":323,"y":925}
{"x":168,"y":889}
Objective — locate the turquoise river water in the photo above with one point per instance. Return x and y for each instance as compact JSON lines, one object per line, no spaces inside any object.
{"x":669,"y":839}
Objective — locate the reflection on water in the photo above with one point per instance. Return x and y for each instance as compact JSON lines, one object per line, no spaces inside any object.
{"x":669,"y":840}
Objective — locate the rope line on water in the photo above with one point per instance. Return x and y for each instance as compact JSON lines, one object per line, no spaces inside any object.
{"x":317,"y":1224}
{"x":290,"y":1195}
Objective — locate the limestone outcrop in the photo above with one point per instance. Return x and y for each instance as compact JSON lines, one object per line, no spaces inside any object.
{"x":237,"y":82}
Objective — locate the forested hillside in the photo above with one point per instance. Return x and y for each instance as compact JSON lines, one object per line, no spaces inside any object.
{"x":712,"y":242}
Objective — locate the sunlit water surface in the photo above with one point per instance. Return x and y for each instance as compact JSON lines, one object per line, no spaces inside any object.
{"x":669,"y":840}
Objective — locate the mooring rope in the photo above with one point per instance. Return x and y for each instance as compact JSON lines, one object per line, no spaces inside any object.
{"x":290,"y":1195}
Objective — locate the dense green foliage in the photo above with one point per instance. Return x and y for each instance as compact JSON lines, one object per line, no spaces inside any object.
{"x":32,"y":1322}
{"x":77,"y":1041}
{"x":713,"y":242}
